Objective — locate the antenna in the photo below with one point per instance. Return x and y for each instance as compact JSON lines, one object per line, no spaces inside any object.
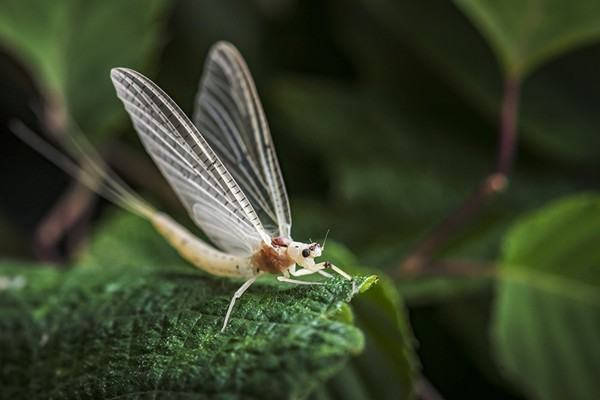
{"x":325,"y":240}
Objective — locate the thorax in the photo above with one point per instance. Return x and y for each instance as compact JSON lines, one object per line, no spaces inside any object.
{"x":273,"y":259}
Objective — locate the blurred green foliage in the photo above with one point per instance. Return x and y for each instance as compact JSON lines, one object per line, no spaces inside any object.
{"x":384,"y":114}
{"x":526,"y":34}
{"x":548,"y":307}
{"x":70,"y":46}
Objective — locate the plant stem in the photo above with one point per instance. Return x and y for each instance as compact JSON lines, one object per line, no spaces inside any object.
{"x":508,"y":126}
{"x":67,"y":212}
{"x":70,"y":213}
{"x":420,"y":258}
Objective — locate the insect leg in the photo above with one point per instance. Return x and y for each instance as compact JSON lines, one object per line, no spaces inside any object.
{"x":236,"y":296}
{"x":288,"y":280}
{"x":339,"y":271}
{"x":306,"y":271}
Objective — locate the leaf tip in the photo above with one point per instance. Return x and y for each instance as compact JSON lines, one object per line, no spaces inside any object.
{"x":367,"y":283}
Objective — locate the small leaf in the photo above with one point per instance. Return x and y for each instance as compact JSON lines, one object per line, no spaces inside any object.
{"x":525,"y":34}
{"x":547,"y":315}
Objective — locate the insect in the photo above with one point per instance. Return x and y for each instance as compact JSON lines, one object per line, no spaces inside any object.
{"x":223,"y":167}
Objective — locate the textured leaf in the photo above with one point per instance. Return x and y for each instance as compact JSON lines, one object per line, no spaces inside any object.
{"x":71,"y":45}
{"x":379,"y":312}
{"x":156,"y":322}
{"x":128,"y":332}
{"x":547,"y":315}
{"x":525,"y":34}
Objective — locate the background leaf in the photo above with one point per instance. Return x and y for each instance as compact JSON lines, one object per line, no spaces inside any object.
{"x":525,"y":34}
{"x":123,"y":239}
{"x":402,"y":173}
{"x":70,"y":47}
{"x":558,"y":120}
{"x":547,"y":315}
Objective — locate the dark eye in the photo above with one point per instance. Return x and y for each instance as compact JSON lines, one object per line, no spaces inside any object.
{"x":305,"y":253}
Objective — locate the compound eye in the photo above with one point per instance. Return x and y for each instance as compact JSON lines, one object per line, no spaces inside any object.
{"x":305,"y":253}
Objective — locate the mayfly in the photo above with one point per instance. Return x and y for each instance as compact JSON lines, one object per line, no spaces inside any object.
{"x":223,"y":168}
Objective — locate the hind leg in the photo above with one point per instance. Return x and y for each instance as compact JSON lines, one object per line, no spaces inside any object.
{"x":236,"y":296}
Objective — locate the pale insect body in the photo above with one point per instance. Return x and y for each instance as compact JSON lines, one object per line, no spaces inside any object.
{"x":198,"y":252}
{"x":223,"y":168}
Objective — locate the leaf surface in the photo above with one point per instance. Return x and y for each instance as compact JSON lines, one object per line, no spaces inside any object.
{"x":126,"y":330}
{"x":379,"y":312}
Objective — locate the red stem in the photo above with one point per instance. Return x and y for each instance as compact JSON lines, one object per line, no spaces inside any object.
{"x":421,"y":256}
{"x":508,"y":125}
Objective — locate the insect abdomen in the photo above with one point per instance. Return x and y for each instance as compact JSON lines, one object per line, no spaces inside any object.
{"x":200,"y":253}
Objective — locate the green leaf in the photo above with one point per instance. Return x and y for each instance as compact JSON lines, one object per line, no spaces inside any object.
{"x":116,"y":331}
{"x":135,"y":318}
{"x":71,"y":45}
{"x":547,"y":315}
{"x":381,"y":315}
{"x":379,"y":312}
{"x":525,"y":34}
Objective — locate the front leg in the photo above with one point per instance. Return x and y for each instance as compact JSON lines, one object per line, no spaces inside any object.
{"x":339,"y":271}
{"x":297,"y":282}
{"x":306,"y":271}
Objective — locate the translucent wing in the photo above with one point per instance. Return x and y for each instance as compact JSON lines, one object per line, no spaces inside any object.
{"x":207,"y":190}
{"x":229,"y":113}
